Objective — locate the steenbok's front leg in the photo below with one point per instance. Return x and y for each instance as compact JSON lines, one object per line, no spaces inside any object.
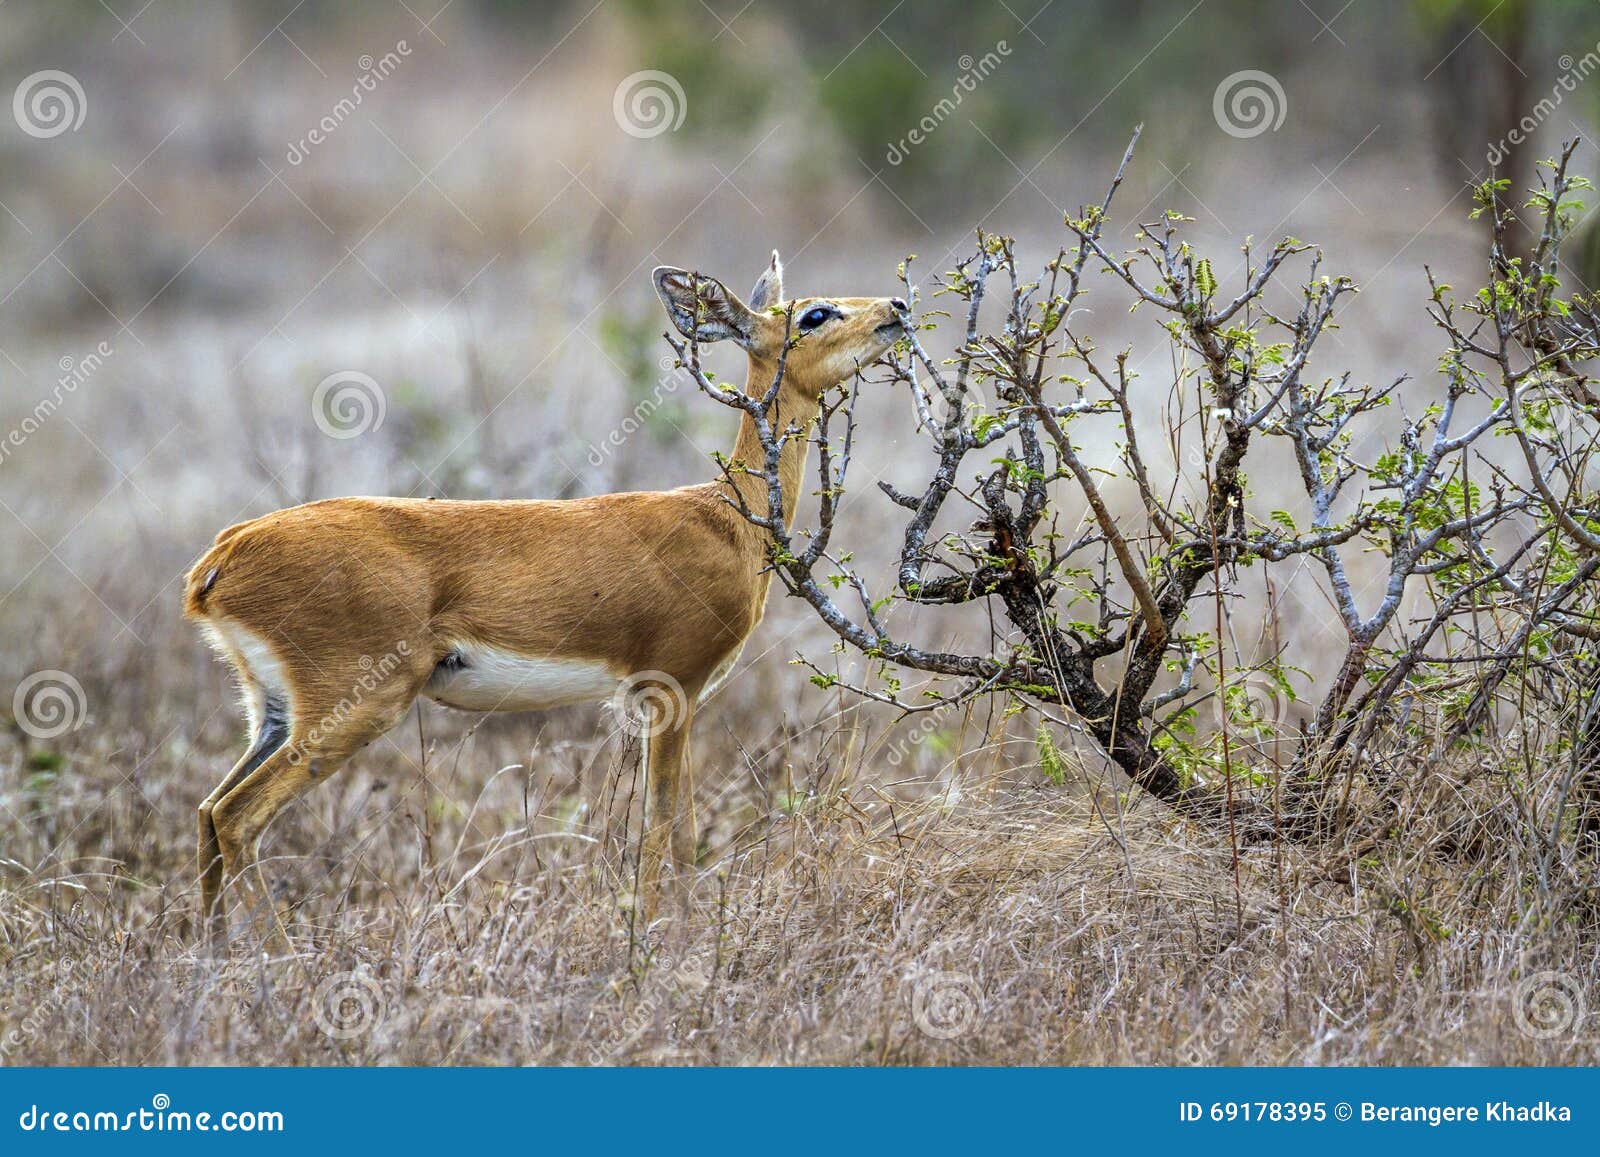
{"x":685,"y":831}
{"x":665,"y":751}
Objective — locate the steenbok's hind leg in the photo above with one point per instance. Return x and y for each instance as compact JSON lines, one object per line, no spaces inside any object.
{"x":315,"y":749}
{"x":239,"y":821}
{"x":270,"y":736}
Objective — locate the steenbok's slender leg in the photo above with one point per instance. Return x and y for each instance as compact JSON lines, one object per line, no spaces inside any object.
{"x":666,"y":749}
{"x":685,"y":832}
{"x":208,"y":856}
{"x":317,"y":745}
{"x":241,"y":815}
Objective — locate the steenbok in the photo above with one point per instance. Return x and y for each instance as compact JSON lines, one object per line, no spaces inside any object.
{"x":336,"y":615}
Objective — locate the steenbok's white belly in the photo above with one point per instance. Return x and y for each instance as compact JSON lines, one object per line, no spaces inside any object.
{"x":489,"y":679}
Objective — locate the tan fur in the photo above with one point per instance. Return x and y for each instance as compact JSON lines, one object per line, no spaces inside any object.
{"x":357,"y":600}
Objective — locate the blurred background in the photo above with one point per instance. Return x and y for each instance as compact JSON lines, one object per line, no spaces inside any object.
{"x":266,"y":251}
{"x":262,"y":252}
{"x":460,"y":203}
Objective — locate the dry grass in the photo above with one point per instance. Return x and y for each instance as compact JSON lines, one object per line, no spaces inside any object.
{"x":449,"y":911}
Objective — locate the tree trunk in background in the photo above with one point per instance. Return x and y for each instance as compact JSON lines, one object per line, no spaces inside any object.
{"x":1481,"y":93}
{"x":1510,"y":107}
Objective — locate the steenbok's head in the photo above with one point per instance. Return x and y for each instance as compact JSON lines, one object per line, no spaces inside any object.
{"x":830,"y":337}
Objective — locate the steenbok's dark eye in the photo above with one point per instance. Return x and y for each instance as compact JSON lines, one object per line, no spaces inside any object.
{"x":815,"y":317}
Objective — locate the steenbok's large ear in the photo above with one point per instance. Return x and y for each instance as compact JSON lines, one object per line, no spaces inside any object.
{"x":702,"y":307}
{"x":769,"y":286}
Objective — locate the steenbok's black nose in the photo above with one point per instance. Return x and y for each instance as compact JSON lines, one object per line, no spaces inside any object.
{"x":898,"y":303}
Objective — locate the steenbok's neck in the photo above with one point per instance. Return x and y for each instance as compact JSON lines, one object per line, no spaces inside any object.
{"x":792,"y":408}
